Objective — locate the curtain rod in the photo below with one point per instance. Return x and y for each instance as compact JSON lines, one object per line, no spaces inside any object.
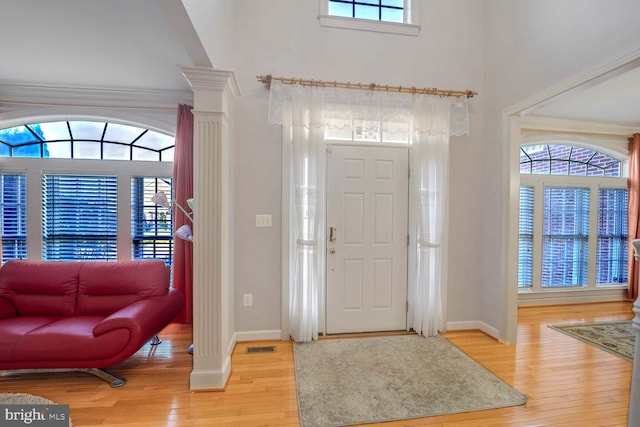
{"x":267,"y":79}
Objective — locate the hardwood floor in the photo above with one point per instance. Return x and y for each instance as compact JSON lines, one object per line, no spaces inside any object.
{"x":568,"y":383}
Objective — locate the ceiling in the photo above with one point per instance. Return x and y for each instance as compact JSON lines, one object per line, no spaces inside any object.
{"x":142,"y":44}
{"x":608,"y":99}
{"x":95,"y":43}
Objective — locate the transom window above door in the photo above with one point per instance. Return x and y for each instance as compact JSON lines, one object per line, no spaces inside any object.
{"x":385,"y":16}
{"x":86,"y":140}
{"x":380,"y":10}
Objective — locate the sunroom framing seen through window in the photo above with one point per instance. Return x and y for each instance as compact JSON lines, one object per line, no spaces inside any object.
{"x":86,"y":140}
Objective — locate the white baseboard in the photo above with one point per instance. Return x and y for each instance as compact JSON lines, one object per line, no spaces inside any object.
{"x":473,"y":324}
{"x":271,"y":335}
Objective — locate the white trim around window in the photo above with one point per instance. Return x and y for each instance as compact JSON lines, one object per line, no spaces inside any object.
{"x":410,"y":26}
{"x":125,"y":170}
{"x":589,"y":293}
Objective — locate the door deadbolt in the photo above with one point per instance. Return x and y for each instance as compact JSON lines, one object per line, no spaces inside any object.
{"x":332,"y":250}
{"x":332,"y":234}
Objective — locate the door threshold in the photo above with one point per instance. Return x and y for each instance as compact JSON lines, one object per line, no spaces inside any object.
{"x":364,"y":334}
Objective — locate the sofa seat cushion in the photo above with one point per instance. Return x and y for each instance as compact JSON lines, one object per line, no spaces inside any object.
{"x":70,"y":339}
{"x":12,"y":329}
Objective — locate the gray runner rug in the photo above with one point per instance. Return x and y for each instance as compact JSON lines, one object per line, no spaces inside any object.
{"x":365,"y":380}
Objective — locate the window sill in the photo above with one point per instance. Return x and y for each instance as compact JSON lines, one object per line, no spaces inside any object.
{"x":369,"y":25}
{"x":528,"y":297}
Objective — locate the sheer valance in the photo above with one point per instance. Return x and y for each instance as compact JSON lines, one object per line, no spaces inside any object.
{"x":339,"y":107}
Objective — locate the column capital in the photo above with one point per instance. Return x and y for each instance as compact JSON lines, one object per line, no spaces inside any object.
{"x":204,"y":78}
{"x":213,"y":90}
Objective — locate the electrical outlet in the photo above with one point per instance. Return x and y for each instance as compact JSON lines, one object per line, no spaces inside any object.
{"x":247,"y":300}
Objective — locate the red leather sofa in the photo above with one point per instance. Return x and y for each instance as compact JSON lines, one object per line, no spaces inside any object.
{"x":85,"y":316}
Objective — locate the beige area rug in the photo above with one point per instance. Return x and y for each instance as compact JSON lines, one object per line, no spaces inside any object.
{"x":615,"y":337}
{"x":25,"y":399}
{"x":366,"y":380}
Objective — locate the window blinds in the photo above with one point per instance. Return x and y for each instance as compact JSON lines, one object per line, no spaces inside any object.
{"x":79,"y":217}
{"x":13,"y":211}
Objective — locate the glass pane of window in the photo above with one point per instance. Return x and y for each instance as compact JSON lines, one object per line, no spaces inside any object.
{"x":151,"y":225}
{"x":86,"y":150}
{"x":582,"y":155}
{"x":393,"y":3}
{"x":565,"y":237}
{"x":594,"y":171}
{"x":536,"y":152}
{"x":367,"y":12}
{"x":79,"y":217}
{"x":612,"y":236}
{"x":116,"y":152}
{"x":13,"y":219}
{"x":559,"y":152}
{"x":341,"y":9}
{"x":144,"y":154}
{"x":392,"y":15}
{"x":578,"y":169}
{"x":613,"y":170}
{"x":91,"y":131}
{"x":541,"y":167}
{"x":31,"y":150}
{"x":366,"y":130}
{"x":122,"y":133}
{"x":58,"y":150}
{"x":19,"y":135}
{"x":525,"y":240}
{"x":55,"y":131}
{"x":559,"y":167}
{"x":5,"y":150}
{"x":167,"y":155}
{"x":155,"y":141}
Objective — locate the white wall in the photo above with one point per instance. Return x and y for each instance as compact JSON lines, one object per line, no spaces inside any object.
{"x":507,"y":50}
{"x":530,"y":46}
{"x":284,"y":38}
{"x":213,"y":21}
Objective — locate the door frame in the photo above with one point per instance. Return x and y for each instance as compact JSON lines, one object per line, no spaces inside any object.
{"x":285,"y":206}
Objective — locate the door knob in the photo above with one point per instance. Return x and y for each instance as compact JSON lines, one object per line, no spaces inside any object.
{"x":332,"y":250}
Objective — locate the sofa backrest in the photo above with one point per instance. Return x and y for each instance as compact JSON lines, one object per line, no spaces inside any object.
{"x":106,"y":287}
{"x":67,"y":288}
{"x":40,"y":288}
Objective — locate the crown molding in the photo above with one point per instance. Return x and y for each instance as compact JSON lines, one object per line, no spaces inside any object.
{"x":99,"y":97}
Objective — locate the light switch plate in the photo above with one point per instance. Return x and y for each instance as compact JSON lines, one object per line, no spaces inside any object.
{"x":263,"y":220}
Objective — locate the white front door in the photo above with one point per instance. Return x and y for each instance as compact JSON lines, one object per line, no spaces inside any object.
{"x":367,"y":209}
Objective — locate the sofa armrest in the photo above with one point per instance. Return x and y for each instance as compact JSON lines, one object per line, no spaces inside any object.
{"x":7,"y":309}
{"x":145,"y":318}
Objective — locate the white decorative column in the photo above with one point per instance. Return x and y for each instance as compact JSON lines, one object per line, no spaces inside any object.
{"x":634,"y":398}
{"x":213,"y":95}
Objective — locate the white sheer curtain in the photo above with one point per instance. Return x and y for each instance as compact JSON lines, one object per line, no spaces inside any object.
{"x":429,"y":120}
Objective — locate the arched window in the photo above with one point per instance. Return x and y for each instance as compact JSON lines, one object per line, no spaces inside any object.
{"x":573,"y":218}
{"x":95,"y":182}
